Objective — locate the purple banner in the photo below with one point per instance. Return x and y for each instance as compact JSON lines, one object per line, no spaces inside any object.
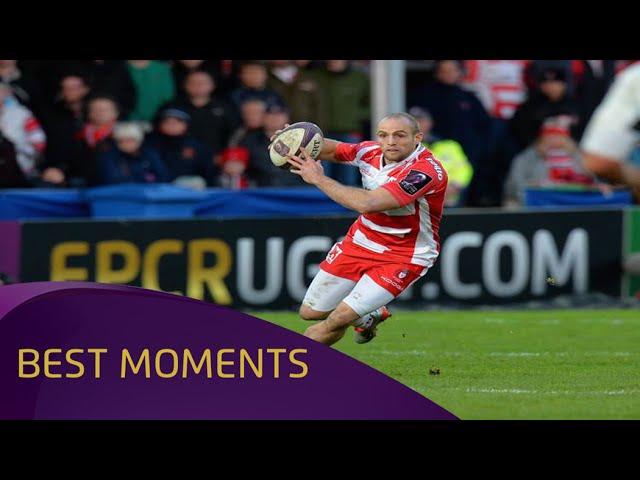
{"x":10,"y":249}
{"x":78,"y":350}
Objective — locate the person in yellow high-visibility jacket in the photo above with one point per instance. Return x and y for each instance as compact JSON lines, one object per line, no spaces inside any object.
{"x":450,"y":154}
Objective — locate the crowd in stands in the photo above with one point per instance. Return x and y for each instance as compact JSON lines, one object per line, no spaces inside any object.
{"x":498,"y":126}
{"x":200,"y":123}
{"x":518,"y":123}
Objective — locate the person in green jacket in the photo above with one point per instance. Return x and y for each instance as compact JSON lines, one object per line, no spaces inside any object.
{"x":450,"y":154}
{"x":346,"y":108}
{"x":299,"y":89}
{"x":154,"y":85}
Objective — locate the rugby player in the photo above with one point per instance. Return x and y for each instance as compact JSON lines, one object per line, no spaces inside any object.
{"x":393,"y":242}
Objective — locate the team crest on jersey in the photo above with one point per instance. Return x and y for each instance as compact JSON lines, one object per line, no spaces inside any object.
{"x":414,"y":181}
{"x":401,"y":274}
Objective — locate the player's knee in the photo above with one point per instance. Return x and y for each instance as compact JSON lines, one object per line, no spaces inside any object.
{"x":307,"y":313}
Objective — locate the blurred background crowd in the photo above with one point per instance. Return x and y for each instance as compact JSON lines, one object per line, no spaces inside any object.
{"x":498,"y":126}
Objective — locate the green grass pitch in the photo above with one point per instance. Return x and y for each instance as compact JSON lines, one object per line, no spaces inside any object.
{"x":504,"y":364}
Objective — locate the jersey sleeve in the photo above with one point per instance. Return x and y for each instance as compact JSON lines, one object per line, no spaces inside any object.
{"x":613,"y":129}
{"x":352,"y":152}
{"x":417,"y":182}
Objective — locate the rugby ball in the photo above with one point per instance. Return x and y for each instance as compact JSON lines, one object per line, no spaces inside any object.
{"x":288,"y":142}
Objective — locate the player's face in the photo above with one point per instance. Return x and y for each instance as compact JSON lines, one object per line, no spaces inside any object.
{"x":397,"y":139}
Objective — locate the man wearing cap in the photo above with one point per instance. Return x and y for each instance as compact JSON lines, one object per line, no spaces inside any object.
{"x":550,"y":99}
{"x":183,"y":154}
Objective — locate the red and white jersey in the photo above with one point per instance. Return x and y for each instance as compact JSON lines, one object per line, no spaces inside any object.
{"x":499,"y":84}
{"x":409,"y":233}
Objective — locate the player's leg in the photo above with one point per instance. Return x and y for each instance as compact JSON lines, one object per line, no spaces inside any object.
{"x":384,"y":282}
{"x":366,"y":327}
{"x":333,"y":328}
{"x":323,"y":295}
{"x":365,"y":297}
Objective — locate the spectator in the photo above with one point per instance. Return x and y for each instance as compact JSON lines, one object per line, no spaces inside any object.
{"x":500,"y":86}
{"x":536,"y":68}
{"x":184,"y":156}
{"x":66,"y":154}
{"x":457,"y":113}
{"x":11,"y":175}
{"x":212,"y":119}
{"x":344,"y":111}
{"x":450,"y":154}
{"x":23,"y":130}
{"x":154,"y":86}
{"x":112,"y":79}
{"x":299,"y":89}
{"x":552,"y":160}
{"x":128,"y":161}
{"x":181,"y":68}
{"x":234,"y":162}
{"x":252,"y":112}
{"x":253,"y":79}
{"x":102,"y":114}
{"x":549,"y":100}
{"x":261,"y":171}
{"x":23,"y":87}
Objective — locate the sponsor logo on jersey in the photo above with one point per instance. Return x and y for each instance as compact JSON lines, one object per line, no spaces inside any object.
{"x":414,"y":181}
{"x":436,"y":167}
{"x":395,"y":284}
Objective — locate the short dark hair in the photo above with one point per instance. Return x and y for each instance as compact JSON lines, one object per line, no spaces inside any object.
{"x":409,"y":118}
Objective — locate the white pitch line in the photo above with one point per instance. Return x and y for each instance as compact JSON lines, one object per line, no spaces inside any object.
{"x":500,"y":354}
{"x":560,"y":354}
{"x":549,"y":392}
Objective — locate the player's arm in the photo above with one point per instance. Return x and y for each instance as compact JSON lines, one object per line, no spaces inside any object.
{"x":358,"y":199}
{"x":363,"y":201}
{"x":328,"y":151}
{"x":612,"y":132}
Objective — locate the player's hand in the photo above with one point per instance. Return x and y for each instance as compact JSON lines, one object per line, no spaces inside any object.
{"x":278,"y":132}
{"x":304,"y":165}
